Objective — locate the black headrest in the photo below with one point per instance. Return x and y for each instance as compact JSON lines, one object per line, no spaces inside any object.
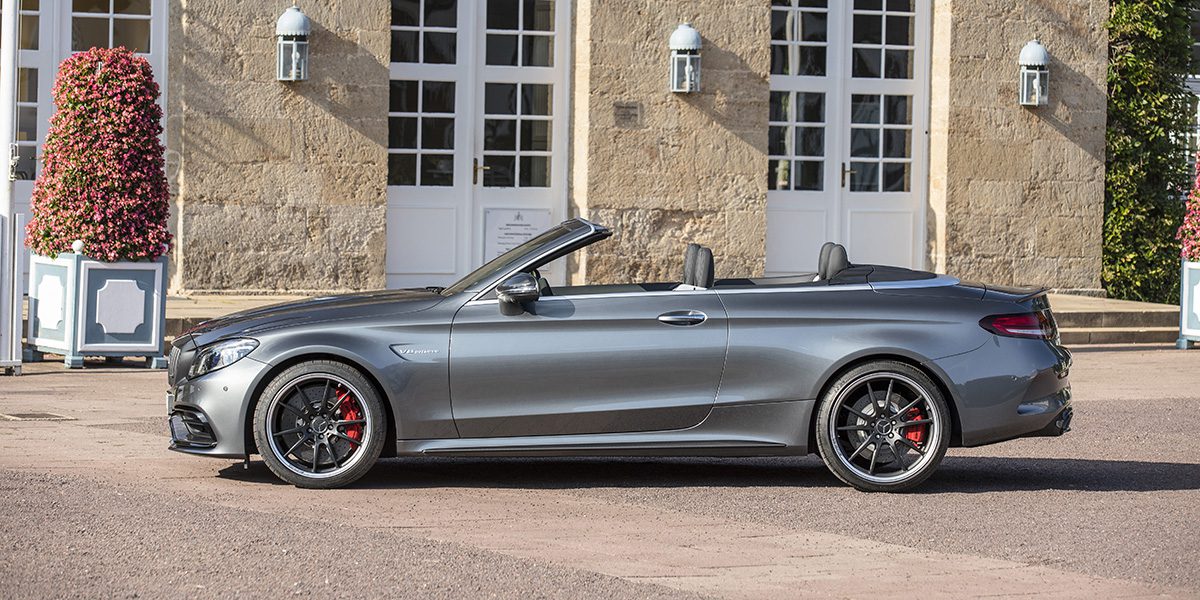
{"x":838,"y":262}
{"x":703,"y":274}
{"x":823,"y":259}
{"x":689,"y":263}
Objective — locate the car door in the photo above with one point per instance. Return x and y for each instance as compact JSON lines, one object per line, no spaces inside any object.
{"x":598,"y":363}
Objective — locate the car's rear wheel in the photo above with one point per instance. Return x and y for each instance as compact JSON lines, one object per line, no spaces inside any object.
{"x":320,"y":424}
{"x":883,"y":427}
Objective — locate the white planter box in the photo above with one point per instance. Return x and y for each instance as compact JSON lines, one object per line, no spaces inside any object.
{"x":1189,"y":304}
{"x":83,"y":307}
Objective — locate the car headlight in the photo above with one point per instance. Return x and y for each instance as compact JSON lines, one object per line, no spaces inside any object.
{"x":221,"y":355}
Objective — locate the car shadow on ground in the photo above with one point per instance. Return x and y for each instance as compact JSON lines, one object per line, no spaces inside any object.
{"x":958,"y":474}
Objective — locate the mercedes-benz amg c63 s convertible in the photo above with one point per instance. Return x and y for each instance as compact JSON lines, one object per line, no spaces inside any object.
{"x":878,"y":369}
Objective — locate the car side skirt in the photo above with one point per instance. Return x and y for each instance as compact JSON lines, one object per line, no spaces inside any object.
{"x":762,"y":429}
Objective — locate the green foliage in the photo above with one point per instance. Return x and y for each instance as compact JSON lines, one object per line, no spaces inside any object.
{"x":1149,"y":113}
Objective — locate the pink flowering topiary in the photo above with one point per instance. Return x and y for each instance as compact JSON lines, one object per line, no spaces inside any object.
{"x":1189,"y":232}
{"x":102,"y":180}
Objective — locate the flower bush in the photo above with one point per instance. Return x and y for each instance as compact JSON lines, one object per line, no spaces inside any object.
{"x":1189,"y":232}
{"x":102,"y":180}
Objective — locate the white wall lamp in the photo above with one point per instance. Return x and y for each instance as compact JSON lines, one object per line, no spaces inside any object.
{"x":1035,"y":74}
{"x":291,"y":35}
{"x":685,"y":45}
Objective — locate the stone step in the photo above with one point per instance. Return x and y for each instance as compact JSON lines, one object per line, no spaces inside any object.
{"x":1081,"y":336}
{"x":1074,"y":319}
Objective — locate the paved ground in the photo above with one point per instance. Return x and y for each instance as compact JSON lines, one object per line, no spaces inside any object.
{"x":97,"y":507}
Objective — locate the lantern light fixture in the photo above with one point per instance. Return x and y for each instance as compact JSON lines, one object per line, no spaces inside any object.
{"x":685,"y":46}
{"x":291,"y":35}
{"x":1035,"y":74}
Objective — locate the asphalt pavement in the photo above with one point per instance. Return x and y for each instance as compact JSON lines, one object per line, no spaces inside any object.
{"x":96,"y":507}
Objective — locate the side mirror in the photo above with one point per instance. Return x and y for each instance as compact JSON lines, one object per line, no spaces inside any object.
{"x":515,"y":291}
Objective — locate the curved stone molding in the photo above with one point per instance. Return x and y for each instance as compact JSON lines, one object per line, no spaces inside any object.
{"x":119,"y":306}
{"x":50,"y":295}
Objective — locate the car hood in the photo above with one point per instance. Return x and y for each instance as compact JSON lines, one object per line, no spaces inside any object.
{"x":312,"y":310}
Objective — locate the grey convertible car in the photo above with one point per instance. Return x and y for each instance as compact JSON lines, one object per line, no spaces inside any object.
{"x":878,"y":369}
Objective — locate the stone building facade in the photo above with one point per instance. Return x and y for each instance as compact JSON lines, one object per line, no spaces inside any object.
{"x":427,"y":126}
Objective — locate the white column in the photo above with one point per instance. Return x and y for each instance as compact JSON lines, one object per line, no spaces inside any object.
{"x":10,"y":288}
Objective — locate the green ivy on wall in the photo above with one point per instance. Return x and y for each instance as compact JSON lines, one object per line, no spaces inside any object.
{"x":1150,"y":111}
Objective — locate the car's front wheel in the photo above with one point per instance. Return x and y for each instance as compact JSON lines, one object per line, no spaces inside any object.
{"x":883,"y":427}
{"x":320,"y":424}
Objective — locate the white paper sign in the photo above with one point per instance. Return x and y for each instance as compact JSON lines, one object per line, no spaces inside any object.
{"x":505,"y":229}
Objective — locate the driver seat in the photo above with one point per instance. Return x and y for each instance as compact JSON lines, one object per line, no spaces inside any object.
{"x":832,"y":260}
{"x":698,"y":267}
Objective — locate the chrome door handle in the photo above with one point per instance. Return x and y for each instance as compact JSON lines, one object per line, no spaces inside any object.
{"x":683,"y":317}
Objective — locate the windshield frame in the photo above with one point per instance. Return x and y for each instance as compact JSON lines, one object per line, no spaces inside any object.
{"x":532,"y":250}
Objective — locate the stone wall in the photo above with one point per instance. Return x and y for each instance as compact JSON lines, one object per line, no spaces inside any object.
{"x":666,"y":169}
{"x":1017,"y":193}
{"x":278,"y":186}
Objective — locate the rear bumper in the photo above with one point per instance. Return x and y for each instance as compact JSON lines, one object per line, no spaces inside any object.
{"x":1009,"y":388}
{"x":207,"y":415}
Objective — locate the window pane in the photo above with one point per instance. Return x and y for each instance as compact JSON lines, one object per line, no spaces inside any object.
{"x":866,"y":63}
{"x":897,"y":143}
{"x":777,"y":141}
{"x":441,"y":13}
{"x":535,"y":99}
{"x":439,"y":97}
{"x":403,"y":96}
{"x":26,"y":162}
{"x":29,"y":33}
{"x":501,"y":14}
{"x":500,"y":98}
{"x":402,"y":132}
{"x":814,"y":27}
{"x":131,"y":7}
{"x":868,"y":4}
{"x":27,"y":85}
{"x":440,"y":48}
{"x":437,"y":169}
{"x":898,"y":64}
{"x":501,"y":50}
{"x":781,"y":106}
{"x":899,"y":31}
{"x":779,"y":59}
{"x":810,"y":141}
{"x":404,"y":46}
{"x":812,"y":61}
{"x":864,"y":143}
{"x":539,"y":15}
{"x":535,"y":171}
{"x":133,"y":34}
{"x":812,"y":107}
{"x":437,"y":134}
{"x":868,"y":29}
{"x":810,"y":175}
{"x":777,"y":174}
{"x":30,"y":5}
{"x":865,"y":177}
{"x":897,"y":110}
{"x":895,"y":177}
{"x":779,"y":25}
{"x":535,"y":135}
{"x":405,"y":12}
{"x":500,"y":172}
{"x":499,"y":134}
{"x":900,"y":5}
{"x":27,"y":124}
{"x":402,"y":169}
{"x":96,"y":6}
{"x":864,"y":109}
{"x":537,"y":51}
{"x":88,"y":33}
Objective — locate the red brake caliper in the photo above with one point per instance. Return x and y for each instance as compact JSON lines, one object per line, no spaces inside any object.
{"x":350,"y":412}
{"x":916,"y":433}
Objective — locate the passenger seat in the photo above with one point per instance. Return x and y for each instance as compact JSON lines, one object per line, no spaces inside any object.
{"x":698,"y":271}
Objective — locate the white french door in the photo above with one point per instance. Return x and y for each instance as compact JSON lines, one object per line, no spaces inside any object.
{"x":848,"y":135}
{"x":476,"y":133}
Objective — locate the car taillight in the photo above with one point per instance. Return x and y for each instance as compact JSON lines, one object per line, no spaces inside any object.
{"x":1024,"y":325}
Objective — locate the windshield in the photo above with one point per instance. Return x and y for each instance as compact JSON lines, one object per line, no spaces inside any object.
{"x":508,"y":260}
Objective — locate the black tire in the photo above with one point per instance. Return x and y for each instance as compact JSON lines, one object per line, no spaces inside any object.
{"x":867,"y":442}
{"x":351,"y":422}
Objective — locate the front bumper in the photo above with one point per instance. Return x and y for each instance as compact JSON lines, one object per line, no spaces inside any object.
{"x":208,"y":415}
{"x":1010,"y":388}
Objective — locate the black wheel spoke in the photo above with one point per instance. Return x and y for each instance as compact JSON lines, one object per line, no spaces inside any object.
{"x":854,"y":428}
{"x":865,"y":443}
{"x":347,"y":438}
{"x":289,"y":431}
{"x":286,"y":406}
{"x":333,"y":456}
{"x":910,"y":444}
{"x":887,"y":398}
{"x":911,"y":404}
{"x":350,"y":422}
{"x":856,"y":413}
{"x":302,"y":439}
{"x":904,"y":424}
{"x":325,"y":394}
{"x":899,"y":457}
{"x":874,"y":455}
{"x":316,"y":455}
